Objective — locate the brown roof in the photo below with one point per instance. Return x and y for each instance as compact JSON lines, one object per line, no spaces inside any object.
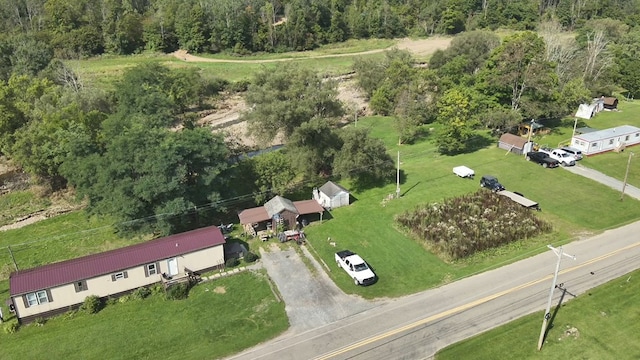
{"x":610,"y":101}
{"x":257,"y":214}
{"x":308,"y":207}
{"x":512,"y":139}
{"x":253,"y":215}
{"x":66,"y":272}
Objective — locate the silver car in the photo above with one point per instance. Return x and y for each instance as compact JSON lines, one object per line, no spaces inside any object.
{"x":577,"y":154}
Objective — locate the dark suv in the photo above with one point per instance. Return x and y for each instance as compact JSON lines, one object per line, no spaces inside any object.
{"x":491,"y":183}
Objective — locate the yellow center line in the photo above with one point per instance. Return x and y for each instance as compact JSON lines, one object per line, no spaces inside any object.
{"x":464,"y":307}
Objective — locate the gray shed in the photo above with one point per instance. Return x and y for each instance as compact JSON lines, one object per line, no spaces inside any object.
{"x":331,"y":195}
{"x":513,"y":143}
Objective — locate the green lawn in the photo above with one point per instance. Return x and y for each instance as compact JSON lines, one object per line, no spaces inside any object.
{"x":404,"y":267}
{"x":606,"y":318}
{"x":219,"y":318}
{"x":104,"y":71}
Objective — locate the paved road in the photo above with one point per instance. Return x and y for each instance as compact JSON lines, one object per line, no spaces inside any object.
{"x":595,"y":175}
{"x":416,"y":326}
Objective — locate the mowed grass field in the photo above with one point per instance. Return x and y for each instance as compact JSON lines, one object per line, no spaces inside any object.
{"x":104,"y":71}
{"x":576,"y":206}
{"x":218,"y":318}
{"x":601,"y":324}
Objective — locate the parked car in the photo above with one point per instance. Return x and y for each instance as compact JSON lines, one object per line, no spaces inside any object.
{"x":577,"y":154}
{"x":491,"y":182}
{"x":543,"y":159}
{"x":563,"y":157}
{"x":356,"y":267}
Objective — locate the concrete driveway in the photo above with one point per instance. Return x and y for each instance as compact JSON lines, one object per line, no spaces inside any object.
{"x":607,"y":180}
{"x":312,"y":299}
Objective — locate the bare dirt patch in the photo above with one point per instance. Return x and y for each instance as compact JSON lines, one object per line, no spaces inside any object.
{"x":220,"y":290}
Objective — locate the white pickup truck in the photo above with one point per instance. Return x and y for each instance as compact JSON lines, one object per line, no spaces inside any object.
{"x":563,"y":157}
{"x":356,"y":267}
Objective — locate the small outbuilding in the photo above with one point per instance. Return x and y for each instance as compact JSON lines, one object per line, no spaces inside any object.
{"x":331,"y":195}
{"x":610,"y":103}
{"x":613,"y":139}
{"x":513,"y":143}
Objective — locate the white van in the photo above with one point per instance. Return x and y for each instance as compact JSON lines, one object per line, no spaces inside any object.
{"x":577,"y":154}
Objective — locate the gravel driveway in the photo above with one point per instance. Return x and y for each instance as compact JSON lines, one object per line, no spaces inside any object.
{"x":311,"y":299}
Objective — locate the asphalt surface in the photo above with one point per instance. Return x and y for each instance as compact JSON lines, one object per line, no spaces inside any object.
{"x":312,"y":299}
{"x":607,"y":180}
{"x":416,"y":326}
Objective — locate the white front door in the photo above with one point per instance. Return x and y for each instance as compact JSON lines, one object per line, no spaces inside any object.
{"x":173,"y":266}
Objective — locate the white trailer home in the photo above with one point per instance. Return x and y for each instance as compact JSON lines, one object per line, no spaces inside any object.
{"x":606,"y":140}
{"x":55,"y":288}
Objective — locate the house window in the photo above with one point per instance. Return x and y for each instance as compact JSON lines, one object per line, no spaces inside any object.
{"x":37,"y":298}
{"x":594,"y":144}
{"x":119,"y":276}
{"x":80,"y":285}
{"x":626,"y":138}
{"x":151,"y":269}
{"x":611,"y":142}
{"x":637,"y":134}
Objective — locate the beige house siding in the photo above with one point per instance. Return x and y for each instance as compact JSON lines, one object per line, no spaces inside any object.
{"x":65,"y":296}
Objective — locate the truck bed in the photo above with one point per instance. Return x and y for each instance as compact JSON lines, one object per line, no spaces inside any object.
{"x":344,"y":253}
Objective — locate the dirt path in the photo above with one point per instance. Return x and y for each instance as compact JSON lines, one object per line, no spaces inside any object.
{"x":420,"y":47}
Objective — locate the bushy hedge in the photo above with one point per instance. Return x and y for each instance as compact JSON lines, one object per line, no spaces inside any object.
{"x":461,"y":226}
{"x":178,"y":291}
{"x":92,"y":304}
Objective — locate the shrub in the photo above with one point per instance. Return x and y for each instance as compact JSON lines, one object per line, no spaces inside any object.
{"x":231,"y":262}
{"x":250,"y":257}
{"x":92,"y":304}
{"x":178,"y":291}
{"x":39,"y":321}
{"x":11,"y":327}
{"x":157,"y":289}
{"x":140,"y":293}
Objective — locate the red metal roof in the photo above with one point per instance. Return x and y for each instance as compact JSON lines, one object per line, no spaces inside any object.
{"x":66,"y":272}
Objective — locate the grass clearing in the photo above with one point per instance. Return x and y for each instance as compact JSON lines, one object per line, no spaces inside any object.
{"x":218,"y":318}
{"x":103,"y":72}
{"x":367,"y":226}
{"x":16,"y":204}
{"x":601,"y":324}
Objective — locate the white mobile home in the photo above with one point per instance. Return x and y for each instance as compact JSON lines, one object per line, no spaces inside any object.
{"x":606,"y":140}
{"x":55,"y":288}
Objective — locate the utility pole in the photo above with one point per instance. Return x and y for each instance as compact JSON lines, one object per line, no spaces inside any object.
{"x":547,"y":314}
{"x":530,"y":132}
{"x":626,"y":175}
{"x":398,"y":178}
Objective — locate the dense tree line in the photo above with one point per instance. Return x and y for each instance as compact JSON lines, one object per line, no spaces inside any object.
{"x":75,"y":28}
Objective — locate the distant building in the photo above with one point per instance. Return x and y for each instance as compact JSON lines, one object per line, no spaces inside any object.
{"x":614,"y":139}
